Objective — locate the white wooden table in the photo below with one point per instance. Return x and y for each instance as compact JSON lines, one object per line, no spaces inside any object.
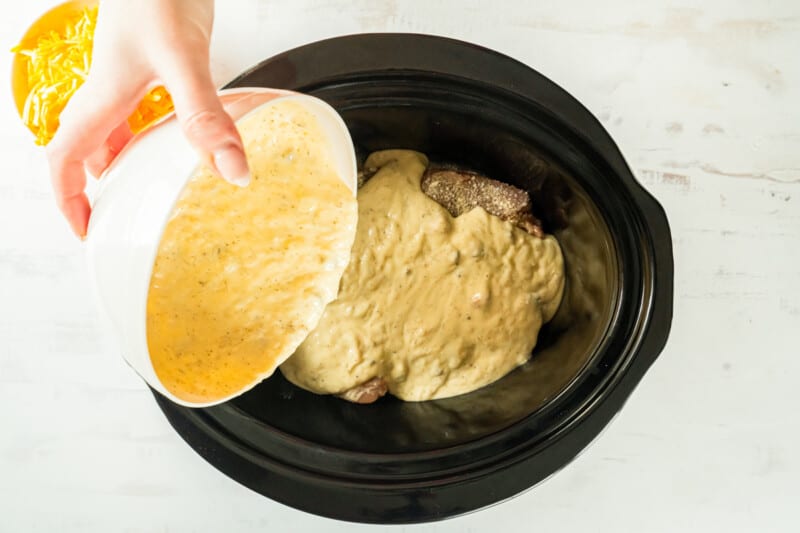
{"x":705,"y":105}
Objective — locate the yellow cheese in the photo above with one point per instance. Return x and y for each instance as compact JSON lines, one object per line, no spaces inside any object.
{"x":58,"y":64}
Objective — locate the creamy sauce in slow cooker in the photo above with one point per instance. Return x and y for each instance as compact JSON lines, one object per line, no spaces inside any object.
{"x":435,"y":305}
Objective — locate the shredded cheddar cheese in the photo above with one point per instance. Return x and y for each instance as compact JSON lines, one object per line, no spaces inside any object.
{"x":155,"y":105}
{"x":58,"y":65}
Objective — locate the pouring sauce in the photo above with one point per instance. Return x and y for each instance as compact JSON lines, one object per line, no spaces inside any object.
{"x":242,"y":275}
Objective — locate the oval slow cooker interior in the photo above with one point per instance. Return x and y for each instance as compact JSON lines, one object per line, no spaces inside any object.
{"x":395,"y":462}
{"x":474,"y":126}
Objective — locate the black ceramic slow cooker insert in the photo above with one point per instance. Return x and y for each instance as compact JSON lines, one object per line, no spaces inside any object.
{"x":399,"y":462}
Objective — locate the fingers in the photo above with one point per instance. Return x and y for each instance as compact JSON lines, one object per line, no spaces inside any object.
{"x":206,"y":124}
{"x":99,"y":161}
{"x":85,"y":124}
{"x":76,"y":210}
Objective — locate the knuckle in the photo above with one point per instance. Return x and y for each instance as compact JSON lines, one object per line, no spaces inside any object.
{"x":201,"y":121}
{"x":207,"y":125}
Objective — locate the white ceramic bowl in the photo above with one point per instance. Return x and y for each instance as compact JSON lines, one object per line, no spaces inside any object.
{"x":133,"y":204}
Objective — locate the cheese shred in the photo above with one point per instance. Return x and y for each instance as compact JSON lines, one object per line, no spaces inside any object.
{"x":58,"y":65}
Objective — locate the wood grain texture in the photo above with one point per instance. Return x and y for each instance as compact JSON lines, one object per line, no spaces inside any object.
{"x":704,"y":103}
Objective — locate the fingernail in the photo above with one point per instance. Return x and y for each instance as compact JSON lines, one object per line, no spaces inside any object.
{"x":232,"y":164}
{"x":241,"y":181}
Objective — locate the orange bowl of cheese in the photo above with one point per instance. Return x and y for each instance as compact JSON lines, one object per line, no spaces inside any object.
{"x":52,"y":60}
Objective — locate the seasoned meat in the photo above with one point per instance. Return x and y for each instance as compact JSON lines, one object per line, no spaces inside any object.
{"x":366,"y":392}
{"x":459,"y":191}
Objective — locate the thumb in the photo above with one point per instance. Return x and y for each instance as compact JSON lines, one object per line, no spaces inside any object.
{"x":207,"y":126}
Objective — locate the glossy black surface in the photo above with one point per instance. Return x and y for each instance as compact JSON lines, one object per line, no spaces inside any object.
{"x":408,"y":462}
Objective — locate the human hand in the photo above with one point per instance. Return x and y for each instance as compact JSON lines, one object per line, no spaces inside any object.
{"x":138,"y":46}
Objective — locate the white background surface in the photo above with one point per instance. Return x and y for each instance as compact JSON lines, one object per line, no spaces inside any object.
{"x":705,"y":105}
